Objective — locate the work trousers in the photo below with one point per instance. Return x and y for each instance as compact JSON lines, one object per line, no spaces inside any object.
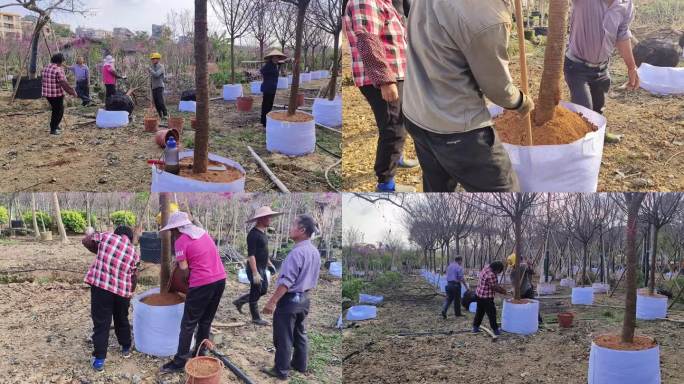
{"x":104,"y":306}
{"x":266,"y":106}
{"x":485,"y":305}
{"x":255,"y":293}
{"x":83,"y":91}
{"x":289,"y":333}
{"x":57,"y":106}
{"x":158,"y":97}
{"x":588,"y":86}
{"x":453,"y":295}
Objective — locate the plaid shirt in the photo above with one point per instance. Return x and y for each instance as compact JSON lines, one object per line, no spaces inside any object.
{"x":114,"y":265}
{"x":486,"y":283}
{"x":53,"y":75}
{"x":377,"y":39}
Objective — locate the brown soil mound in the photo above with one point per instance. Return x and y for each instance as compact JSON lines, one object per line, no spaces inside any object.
{"x":613,"y":342}
{"x":521,"y":301}
{"x":644,"y":292}
{"x":565,"y":127}
{"x":163,"y":299}
{"x":228,"y":176}
{"x":202,"y":367}
{"x":298,"y":117}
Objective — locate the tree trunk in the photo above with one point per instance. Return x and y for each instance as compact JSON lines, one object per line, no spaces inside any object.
{"x":654,"y":252}
{"x":517,"y":227}
{"x":201,"y":153}
{"x":294,"y":90}
{"x":35,"y":40}
{"x":549,"y":89}
{"x":88,"y":215}
{"x":585,"y":252}
{"x":36,"y":231}
{"x":629,"y":322}
{"x":232,"y":60}
{"x":58,"y":217}
{"x":164,"y":205}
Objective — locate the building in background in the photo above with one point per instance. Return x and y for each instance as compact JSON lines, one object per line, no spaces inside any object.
{"x":10,"y":25}
{"x":122,"y":33}
{"x":93,"y":33}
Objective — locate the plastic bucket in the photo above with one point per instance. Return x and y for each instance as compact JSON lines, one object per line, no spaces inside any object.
{"x":520,"y":318}
{"x":370,"y":299}
{"x":203,"y":369}
{"x":111,"y":119}
{"x":336,"y":269}
{"x":651,"y":308}
{"x":546,"y":289}
{"x":232,"y":91}
{"x":168,"y":182}
{"x":151,"y":124}
{"x":283,"y":82}
{"x":567,"y":283}
{"x":582,"y":296}
{"x":162,"y":136}
{"x":244,"y":104}
{"x":362,"y":312}
{"x":609,"y":366}
{"x":292,"y":139}
{"x":661,"y":80}
{"x":255,"y":87}
{"x":187,"y":106}
{"x":328,"y":112}
{"x":601,"y":287}
{"x":156,"y":328}
{"x":565,"y":319}
{"x":150,"y":247}
{"x":570,"y":167}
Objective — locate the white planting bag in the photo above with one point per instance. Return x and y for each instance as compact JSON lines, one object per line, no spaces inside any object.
{"x":292,"y":139}
{"x":651,"y":308}
{"x":315,"y":75}
{"x":325,"y":74}
{"x":336,"y":269}
{"x":187,"y":106}
{"x":570,"y":167}
{"x":168,"y":182}
{"x":327,"y":112}
{"x":609,"y":366}
{"x":156,"y":328}
{"x":284,"y":82}
{"x":255,"y":87}
{"x":305,"y":77}
{"x":582,"y":296}
{"x":520,"y":318}
{"x":370,"y":299}
{"x":111,"y":119}
{"x":546,"y":289}
{"x":601,"y":287}
{"x":232,"y":91}
{"x":362,"y":312}
{"x":661,"y":80}
{"x":567,"y":283}
{"x":289,"y":80}
{"x":242,"y":276}
{"x":472,"y":307}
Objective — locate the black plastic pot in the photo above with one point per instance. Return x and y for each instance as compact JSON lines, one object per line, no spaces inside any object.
{"x":29,"y":89}
{"x":17,"y":224}
{"x":150,"y":247}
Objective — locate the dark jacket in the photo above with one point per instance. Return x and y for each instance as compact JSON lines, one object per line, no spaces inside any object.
{"x":270,"y":74}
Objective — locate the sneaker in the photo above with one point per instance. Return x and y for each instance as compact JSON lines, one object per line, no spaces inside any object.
{"x":171,"y":367}
{"x":390,"y":186}
{"x":407,"y":163}
{"x":126,"y":352}
{"x":273,"y":373}
{"x":97,"y":364}
{"x":476,"y":330}
{"x":56,"y":132}
{"x":444,"y":315}
{"x":260,"y":322}
{"x":612,"y":138}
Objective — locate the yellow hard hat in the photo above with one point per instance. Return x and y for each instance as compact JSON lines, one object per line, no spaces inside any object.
{"x":511,"y":259}
{"x":173,"y":207}
{"x":155,"y":55}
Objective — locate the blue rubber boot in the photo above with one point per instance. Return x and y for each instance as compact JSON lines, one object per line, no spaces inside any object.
{"x":97,"y":364}
{"x":386,"y":187}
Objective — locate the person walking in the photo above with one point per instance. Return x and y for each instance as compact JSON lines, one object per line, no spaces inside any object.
{"x":454,"y":278}
{"x":82,"y":74}
{"x":109,"y":76}
{"x":457,"y":55}
{"x":487,"y":286}
{"x":376,"y":34}
{"x":597,"y":27}
{"x":257,"y":263}
{"x":269,"y":84}
{"x":525,"y":271}
{"x":198,"y":258}
{"x":112,"y":278}
{"x":53,"y":85}
{"x":157,"y":82}
{"x":290,"y":304}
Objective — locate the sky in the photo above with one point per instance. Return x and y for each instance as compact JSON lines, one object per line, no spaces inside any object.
{"x":374,"y":220}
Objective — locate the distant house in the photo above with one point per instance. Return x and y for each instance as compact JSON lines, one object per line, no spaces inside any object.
{"x":10,"y":26}
{"x":122,"y":34}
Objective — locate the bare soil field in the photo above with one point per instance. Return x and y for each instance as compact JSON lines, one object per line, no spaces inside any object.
{"x":375,"y":353}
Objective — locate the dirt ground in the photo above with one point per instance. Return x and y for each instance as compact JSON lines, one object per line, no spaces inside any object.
{"x":649,"y":158}
{"x":86,"y":158}
{"x":552,"y":355}
{"x":45,"y":327}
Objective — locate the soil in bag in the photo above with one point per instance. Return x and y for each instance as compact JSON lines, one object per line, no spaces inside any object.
{"x":228,"y":175}
{"x":521,"y":301}
{"x":202,"y":367}
{"x":565,"y":127}
{"x":298,"y":117}
{"x":614,"y":342}
{"x":163,"y":299}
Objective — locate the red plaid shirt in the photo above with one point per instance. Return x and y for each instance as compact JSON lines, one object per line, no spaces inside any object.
{"x":486,"y":283}
{"x":114,"y":265}
{"x":377,"y":38}
{"x":52,"y":75}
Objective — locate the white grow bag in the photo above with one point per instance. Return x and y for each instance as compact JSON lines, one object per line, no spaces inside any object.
{"x":232,"y":91}
{"x":609,"y":366}
{"x":315,"y":75}
{"x":111,"y":119}
{"x":651,"y":308}
{"x":370,"y":299}
{"x":283,"y":82}
{"x":289,"y":80}
{"x":546,"y":288}
{"x":335,"y":269}
{"x":472,"y":307}
{"x":156,"y":328}
{"x":582,"y":296}
{"x":292,"y":139}
{"x":520,"y":318}
{"x":168,"y":182}
{"x":362,"y":312}
{"x":187,"y":106}
{"x":570,"y":167}
{"x":661,"y":80}
{"x":305,"y":77}
{"x":324,"y":74}
{"x":255,"y":87}
{"x":242,"y":276}
{"x":328,"y":113}
{"x":601,"y":287}
{"x":567,"y":283}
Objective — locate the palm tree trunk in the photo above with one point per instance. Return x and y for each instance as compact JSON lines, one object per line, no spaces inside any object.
{"x":294,"y":90}
{"x":629,"y":321}
{"x":164,"y":205}
{"x":549,"y":89}
{"x":201,"y":155}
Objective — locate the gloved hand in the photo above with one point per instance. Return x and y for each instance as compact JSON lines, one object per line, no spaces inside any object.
{"x":256,"y":279}
{"x":272,"y":269}
{"x":526,"y":106}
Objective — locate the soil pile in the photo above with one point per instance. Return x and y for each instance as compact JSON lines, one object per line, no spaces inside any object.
{"x":614,"y":342}
{"x":163,"y":299}
{"x":227,"y":176}
{"x":521,"y":301}
{"x":202,"y":367}
{"x":298,"y":117}
{"x":565,"y":127}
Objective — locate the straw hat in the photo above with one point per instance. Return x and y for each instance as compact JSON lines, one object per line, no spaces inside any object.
{"x":155,"y":55}
{"x":263,"y":212}
{"x":274,"y":52}
{"x":177,"y":220}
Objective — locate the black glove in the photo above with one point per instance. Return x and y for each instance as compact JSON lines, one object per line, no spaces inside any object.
{"x":272,"y":269}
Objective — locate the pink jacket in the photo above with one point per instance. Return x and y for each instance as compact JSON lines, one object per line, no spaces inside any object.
{"x":108,"y":75}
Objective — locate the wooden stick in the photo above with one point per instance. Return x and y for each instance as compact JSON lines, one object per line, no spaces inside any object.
{"x":270,"y":174}
{"x":329,"y":128}
{"x":236,"y":324}
{"x":523,"y":61}
{"x":489,"y":331}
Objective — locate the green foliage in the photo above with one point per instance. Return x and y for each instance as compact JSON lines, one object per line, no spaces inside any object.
{"x":4,"y":215}
{"x":322,"y":350}
{"x":74,"y":221}
{"x":123,"y":218}
{"x":387,"y":280}
{"x":672,"y":287}
{"x":351,"y":288}
{"x":223,"y":77}
{"x":43,"y":218}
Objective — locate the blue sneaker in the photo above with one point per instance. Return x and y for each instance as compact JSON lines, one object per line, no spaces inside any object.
{"x":476,"y":329}
{"x":126,"y":352}
{"x":390,"y":186}
{"x":97,"y":364}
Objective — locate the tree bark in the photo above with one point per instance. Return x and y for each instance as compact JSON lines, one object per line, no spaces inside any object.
{"x":294,"y":90}
{"x":201,"y":152}
{"x":633,"y":203}
{"x":33,"y":218}
{"x":58,"y":219}
{"x":165,"y":270}
{"x":517,"y":227}
{"x":654,"y":252}
{"x":232,"y":60}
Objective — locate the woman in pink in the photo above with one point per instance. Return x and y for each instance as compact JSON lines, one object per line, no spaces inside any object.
{"x":109,"y":76}
{"x":197,"y":254}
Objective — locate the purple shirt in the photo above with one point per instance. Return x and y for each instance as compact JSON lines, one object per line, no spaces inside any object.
{"x":300,"y":270}
{"x":595,"y":27}
{"x":454,"y":272}
{"x":80,"y":71}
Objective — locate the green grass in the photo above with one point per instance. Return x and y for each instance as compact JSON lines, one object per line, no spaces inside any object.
{"x":6,"y":241}
{"x":323,"y":347}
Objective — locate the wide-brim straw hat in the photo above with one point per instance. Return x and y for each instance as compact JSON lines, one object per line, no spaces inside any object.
{"x":274,"y":52}
{"x":263,"y":212}
{"x":177,"y":220}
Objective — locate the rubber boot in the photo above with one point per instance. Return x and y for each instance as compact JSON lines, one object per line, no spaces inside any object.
{"x":254,"y":310}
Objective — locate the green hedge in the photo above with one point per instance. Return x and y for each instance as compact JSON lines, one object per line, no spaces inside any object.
{"x":74,"y":221}
{"x":123,"y":218}
{"x":351,"y":288}
{"x":387,"y":280}
{"x":4,"y":215}
{"x":43,"y":218}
